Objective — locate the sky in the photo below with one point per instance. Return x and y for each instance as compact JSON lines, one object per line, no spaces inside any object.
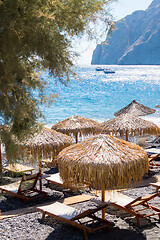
{"x":120,"y":9}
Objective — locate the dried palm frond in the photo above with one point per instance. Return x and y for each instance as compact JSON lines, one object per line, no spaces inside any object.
{"x":47,"y":143}
{"x":131,"y":124}
{"x":76,"y":125}
{"x":135,"y":109}
{"x":103,"y":159}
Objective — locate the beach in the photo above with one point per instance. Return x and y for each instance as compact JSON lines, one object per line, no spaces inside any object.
{"x":30,"y":226}
{"x":96,"y":96}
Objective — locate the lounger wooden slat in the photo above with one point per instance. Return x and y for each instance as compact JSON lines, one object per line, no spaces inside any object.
{"x":77,"y":199}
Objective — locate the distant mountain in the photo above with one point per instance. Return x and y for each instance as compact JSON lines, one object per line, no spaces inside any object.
{"x":135,"y":39}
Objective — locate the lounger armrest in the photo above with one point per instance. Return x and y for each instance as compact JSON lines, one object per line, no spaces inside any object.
{"x":142,"y":200}
{"x":89,"y":212}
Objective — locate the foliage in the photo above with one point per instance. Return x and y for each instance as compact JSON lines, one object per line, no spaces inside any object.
{"x":35,"y":35}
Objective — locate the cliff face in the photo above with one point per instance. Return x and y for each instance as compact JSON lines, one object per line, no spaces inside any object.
{"x":135,"y":39}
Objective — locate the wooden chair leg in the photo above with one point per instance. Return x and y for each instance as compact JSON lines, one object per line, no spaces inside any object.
{"x":43,"y":215}
{"x":137,"y":219}
{"x":85,"y":234}
{"x":157,"y":188}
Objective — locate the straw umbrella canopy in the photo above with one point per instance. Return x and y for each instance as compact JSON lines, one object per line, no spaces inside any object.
{"x":135,"y":109}
{"x":46,"y":143}
{"x":103,"y":160}
{"x":157,"y":106}
{"x":76,"y":125}
{"x":126,"y":124}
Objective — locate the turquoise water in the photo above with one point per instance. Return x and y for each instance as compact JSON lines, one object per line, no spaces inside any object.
{"x":98,"y":95}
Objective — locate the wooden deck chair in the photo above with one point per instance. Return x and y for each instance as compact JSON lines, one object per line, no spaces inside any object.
{"x":56,"y":179}
{"x":70,"y":215}
{"x":49,"y":163}
{"x":156,"y":185}
{"x":155,"y":142}
{"x":141,"y":141}
{"x":25,"y":189}
{"x":131,"y":205}
{"x":18,"y":168}
{"x":151,"y":159}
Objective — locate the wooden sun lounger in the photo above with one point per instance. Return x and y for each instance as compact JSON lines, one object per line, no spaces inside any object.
{"x":152,"y":158}
{"x":152,"y":150}
{"x":18,"y":168}
{"x":25,"y":189}
{"x":49,"y":163}
{"x":67,"y":201}
{"x":56,"y":179}
{"x":156,"y":185}
{"x":131,"y":205}
{"x":72,"y":216}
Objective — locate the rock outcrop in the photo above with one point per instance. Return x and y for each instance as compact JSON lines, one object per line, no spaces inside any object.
{"x":135,"y":39}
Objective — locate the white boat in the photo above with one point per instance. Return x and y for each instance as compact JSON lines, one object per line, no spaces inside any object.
{"x":99,"y":69}
{"x":109,"y":70}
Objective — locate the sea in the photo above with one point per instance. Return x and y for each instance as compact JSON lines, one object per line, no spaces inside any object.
{"x":98,"y":96}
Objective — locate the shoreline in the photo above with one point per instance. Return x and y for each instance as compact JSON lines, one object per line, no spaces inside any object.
{"x":155,"y":118}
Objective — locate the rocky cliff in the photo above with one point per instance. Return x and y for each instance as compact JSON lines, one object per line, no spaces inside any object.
{"x":135,"y":39}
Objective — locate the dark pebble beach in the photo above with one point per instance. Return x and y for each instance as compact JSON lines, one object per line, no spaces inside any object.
{"x":30,"y":226}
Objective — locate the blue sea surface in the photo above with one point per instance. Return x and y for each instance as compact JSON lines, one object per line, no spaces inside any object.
{"x":98,"y":96}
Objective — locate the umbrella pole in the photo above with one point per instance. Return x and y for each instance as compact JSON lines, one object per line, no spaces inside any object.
{"x":0,"y":160}
{"x":103,"y":199}
{"x":40,"y":171}
{"x":126,"y":135}
{"x":76,"y":138}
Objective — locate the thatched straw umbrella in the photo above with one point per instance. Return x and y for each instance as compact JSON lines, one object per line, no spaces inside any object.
{"x":103,"y":160}
{"x":45,"y":144}
{"x":126,"y":124}
{"x":135,"y":109}
{"x":76,"y":125}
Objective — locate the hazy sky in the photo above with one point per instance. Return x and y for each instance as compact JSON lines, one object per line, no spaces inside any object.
{"x":120,"y":9}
